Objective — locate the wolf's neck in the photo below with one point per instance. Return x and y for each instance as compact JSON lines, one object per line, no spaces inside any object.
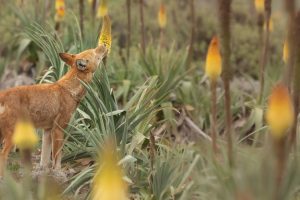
{"x":71,"y":81}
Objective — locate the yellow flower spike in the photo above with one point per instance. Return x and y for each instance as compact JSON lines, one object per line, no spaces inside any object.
{"x":25,"y":136}
{"x":280,"y":112}
{"x":105,"y":35}
{"x":59,"y":10}
{"x":162,"y":16}
{"x":259,"y":6}
{"x":213,"y":67}
{"x":102,"y":9}
{"x":108,"y":183}
{"x":285,"y":56}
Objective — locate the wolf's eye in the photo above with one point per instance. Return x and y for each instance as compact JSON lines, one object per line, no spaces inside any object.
{"x":81,"y":64}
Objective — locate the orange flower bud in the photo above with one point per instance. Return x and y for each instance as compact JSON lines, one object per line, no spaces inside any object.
{"x":162,"y":16}
{"x":280,"y":112}
{"x":260,"y":6}
{"x":59,"y":10}
{"x":213,"y":67}
{"x":102,"y":9}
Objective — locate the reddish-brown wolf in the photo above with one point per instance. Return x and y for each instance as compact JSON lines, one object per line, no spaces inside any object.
{"x":48,"y":106}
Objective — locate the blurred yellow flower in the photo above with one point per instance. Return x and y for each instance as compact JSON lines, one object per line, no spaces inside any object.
{"x":259,"y":6}
{"x":162,"y":16}
{"x":105,"y":35}
{"x":59,"y":10}
{"x":25,"y":136}
{"x":90,"y":1}
{"x":285,"y":56}
{"x":280,"y":112}
{"x":102,"y":9}
{"x":108,"y":183}
{"x":213,"y":67}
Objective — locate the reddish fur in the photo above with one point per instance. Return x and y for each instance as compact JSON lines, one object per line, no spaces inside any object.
{"x":48,"y":106}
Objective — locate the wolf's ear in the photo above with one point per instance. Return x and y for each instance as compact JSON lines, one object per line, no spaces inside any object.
{"x":67,"y":58}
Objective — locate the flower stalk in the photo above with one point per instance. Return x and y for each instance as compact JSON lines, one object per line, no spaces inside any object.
{"x":162,"y":21}
{"x":143,"y":42}
{"x":213,"y":69}
{"x":81,"y":15}
{"x":59,"y":13}
{"x":192,"y":38}
{"x":128,"y":5}
{"x":225,"y":38}
{"x":264,"y":56}
{"x":296,"y":80}
{"x":280,"y":118}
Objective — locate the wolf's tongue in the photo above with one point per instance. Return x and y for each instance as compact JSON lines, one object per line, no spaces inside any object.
{"x":105,"y":35}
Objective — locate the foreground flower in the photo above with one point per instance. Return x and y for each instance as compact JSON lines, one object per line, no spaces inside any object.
{"x":59,"y":10}
{"x":162,"y":16}
{"x":105,"y":35}
{"x":108,"y":183}
{"x":260,"y":6}
{"x":285,"y":56}
{"x":213,"y":67}
{"x":102,"y":9}
{"x":25,"y":136}
{"x":280,"y":112}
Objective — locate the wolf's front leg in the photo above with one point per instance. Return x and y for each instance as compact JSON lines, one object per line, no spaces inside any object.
{"x":57,"y":145}
{"x":46,"y":149}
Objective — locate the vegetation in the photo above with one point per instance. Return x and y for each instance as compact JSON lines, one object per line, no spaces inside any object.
{"x":196,"y":99}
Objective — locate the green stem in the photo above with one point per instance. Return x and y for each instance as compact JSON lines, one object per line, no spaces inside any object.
{"x":213,"y":87}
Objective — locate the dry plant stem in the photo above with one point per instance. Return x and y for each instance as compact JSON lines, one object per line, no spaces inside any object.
{"x":260,"y":24}
{"x":57,"y":27}
{"x":37,"y":7}
{"x":81,"y":14}
{"x":191,"y":46}
{"x":94,"y":8}
{"x":296,"y":80}
{"x":290,"y":8}
{"x":264,"y":55}
{"x":143,"y":43}
{"x":26,"y":158}
{"x":279,"y":147}
{"x":224,"y":19}
{"x":161,"y":38}
{"x":128,"y":3}
{"x":213,"y":87}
